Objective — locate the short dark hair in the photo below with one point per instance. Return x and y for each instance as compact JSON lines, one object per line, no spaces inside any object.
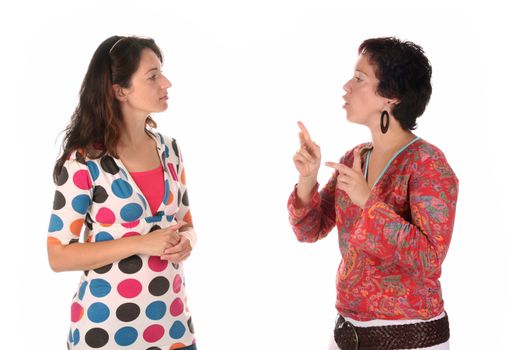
{"x":404,"y":73}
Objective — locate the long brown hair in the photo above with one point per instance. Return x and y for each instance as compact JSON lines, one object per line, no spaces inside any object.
{"x":97,"y":122}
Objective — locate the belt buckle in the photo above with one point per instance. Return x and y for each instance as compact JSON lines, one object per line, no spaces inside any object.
{"x":348,"y":338}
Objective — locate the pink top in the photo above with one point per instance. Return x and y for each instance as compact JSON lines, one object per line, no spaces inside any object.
{"x":151,"y":184}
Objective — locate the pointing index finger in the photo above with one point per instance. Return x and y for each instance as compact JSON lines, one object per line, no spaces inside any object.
{"x":343,"y":169}
{"x":304,"y":131}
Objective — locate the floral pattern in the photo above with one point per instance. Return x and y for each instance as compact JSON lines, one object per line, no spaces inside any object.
{"x":392,"y":249}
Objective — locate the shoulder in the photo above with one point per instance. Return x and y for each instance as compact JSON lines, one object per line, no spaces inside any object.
{"x":428,"y":158}
{"x":168,"y":144}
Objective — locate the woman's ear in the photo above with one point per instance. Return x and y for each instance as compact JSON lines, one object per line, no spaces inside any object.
{"x":119,"y":93}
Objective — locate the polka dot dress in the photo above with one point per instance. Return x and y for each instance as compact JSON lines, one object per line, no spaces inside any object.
{"x":138,"y":302}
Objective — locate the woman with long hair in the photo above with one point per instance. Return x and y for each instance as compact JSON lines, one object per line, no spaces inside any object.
{"x":121,"y":212}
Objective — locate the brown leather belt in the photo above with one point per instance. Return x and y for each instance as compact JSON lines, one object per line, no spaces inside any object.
{"x":407,"y":336}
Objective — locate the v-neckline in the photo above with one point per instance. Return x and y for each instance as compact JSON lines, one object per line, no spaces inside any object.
{"x":388,"y":163}
{"x":137,"y":189}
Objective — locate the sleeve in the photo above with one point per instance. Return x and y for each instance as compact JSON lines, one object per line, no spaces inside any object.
{"x":421,"y":244}
{"x":315,"y":220}
{"x":72,"y":201}
{"x":183,"y":213}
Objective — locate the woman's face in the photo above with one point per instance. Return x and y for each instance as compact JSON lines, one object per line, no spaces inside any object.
{"x":362,"y":104}
{"x":148,"y":91}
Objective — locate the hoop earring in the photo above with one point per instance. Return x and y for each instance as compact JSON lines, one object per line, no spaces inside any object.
{"x":385,"y":121}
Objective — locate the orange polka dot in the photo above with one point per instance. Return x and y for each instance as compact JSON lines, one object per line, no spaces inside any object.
{"x":177,"y":346}
{"x":183,"y":177}
{"x":187,"y":218}
{"x":53,"y":240}
{"x":76,"y":226}
{"x":170,"y":198}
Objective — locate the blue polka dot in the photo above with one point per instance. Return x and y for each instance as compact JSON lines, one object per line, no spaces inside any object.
{"x":103,"y":236}
{"x":177,"y":330}
{"x":76,"y":337}
{"x":156,"y":310}
{"x":166,"y":192}
{"x":70,"y":336}
{"x":82,"y":290}
{"x":170,"y":217}
{"x":81,"y":203}
{"x":143,"y":200}
{"x":121,"y":188}
{"x":99,"y":287}
{"x":55,"y":224}
{"x":93,"y":169}
{"x":131,"y":212}
{"x":126,"y":336}
{"x":166,"y":152}
{"x":98,"y":312}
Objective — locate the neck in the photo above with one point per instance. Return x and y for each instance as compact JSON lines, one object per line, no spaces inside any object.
{"x":133,"y":134}
{"x":393,"y":140}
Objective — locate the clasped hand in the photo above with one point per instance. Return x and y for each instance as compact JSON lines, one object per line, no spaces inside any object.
{"x":167,"y":243}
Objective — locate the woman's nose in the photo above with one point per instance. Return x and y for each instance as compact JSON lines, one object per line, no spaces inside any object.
{"x":166,"y":83}
{"x":346,"y":87}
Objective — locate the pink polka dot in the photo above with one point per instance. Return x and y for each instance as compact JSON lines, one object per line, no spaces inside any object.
{"x":157,"y":265}
{"x":172,"y":171}
{"x":131,"y":224}
{"x":176,"y":307}
{"x":105,"y":216}
{"x":177,"y":283}
{"x":131,"y":233}
{"x":76,"y":312}
{"x":153,"y":333}
{"x":129,"y":288}
{"x":82,"y":180}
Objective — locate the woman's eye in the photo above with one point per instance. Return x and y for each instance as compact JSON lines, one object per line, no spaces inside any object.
{"x":153,"y":77}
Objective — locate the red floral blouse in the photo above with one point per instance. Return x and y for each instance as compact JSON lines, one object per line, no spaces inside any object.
{"x":392,"y":250}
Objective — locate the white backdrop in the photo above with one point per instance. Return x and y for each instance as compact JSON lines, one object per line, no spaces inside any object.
{"x":243,"y":73}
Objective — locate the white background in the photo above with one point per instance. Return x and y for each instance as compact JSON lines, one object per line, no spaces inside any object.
{"x":243,"y":73}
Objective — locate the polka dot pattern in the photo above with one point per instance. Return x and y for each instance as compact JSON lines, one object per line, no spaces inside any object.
{"x":129,"y":288}
{"x":177,"y":330}
{"x":121,"y":188}
{"x":137,"y":302}
{"x":131,"y":212}
{"x":82,"y":180}
{"x":96,"y":337}
{"x":99,"y":288}
{"x":153,"y":333}
{"x":126,"y":336}
{"x":59,"y":202}
{"x":128,"y":312}
{"x":105,"y":216}
{"x":156,"y":310}
{"x":93,"y":169}
{"x":130,"y":265}
{"x":81,"y":203}
{"x":159,"y":286}
{"x":98,"y":312}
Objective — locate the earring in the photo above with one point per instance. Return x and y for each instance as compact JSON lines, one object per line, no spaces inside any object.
{"x":385,"y":122}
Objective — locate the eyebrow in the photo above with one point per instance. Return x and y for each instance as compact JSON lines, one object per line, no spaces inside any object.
{"x":152,"y":69}
{"x":360,"y":71}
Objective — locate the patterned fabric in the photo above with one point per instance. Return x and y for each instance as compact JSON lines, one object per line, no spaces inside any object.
{"x":138,"y":302}
{"x":392,"y":250}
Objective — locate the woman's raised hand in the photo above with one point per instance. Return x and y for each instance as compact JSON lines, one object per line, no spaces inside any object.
{"x":307,"y":159}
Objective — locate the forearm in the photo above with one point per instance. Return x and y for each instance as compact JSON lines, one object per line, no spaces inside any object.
{"x":305,"y":190}
{"x":90,"y":255}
